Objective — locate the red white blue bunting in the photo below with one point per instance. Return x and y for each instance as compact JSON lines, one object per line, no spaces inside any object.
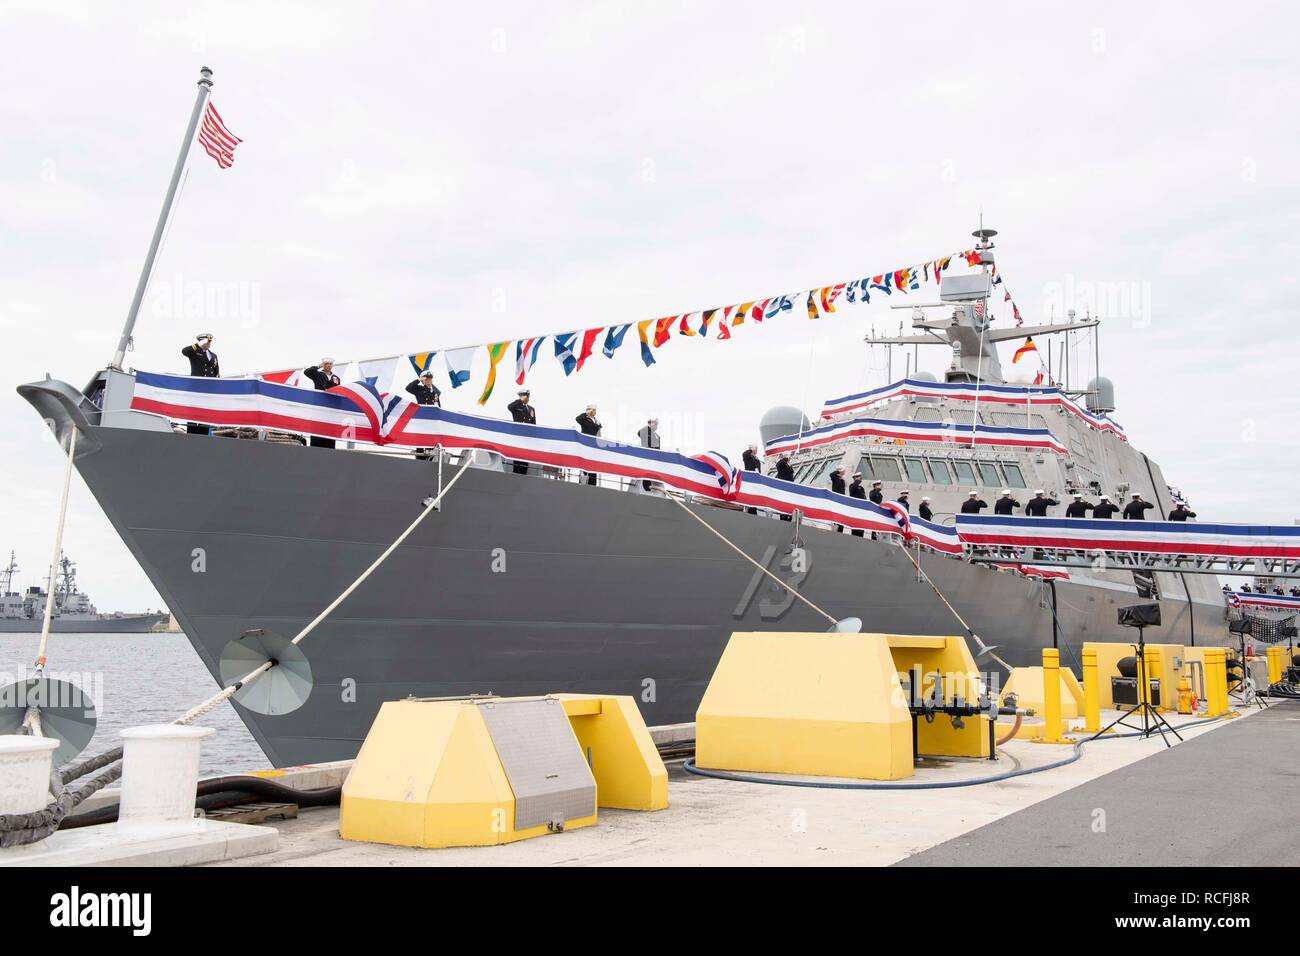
{"x":1279,"y":602}
{"x":1013,"y":395}
{"x":1133,"y":537}
{"x":907,"y":431}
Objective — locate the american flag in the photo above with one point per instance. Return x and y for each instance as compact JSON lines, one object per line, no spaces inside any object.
{"x":218,"y":141}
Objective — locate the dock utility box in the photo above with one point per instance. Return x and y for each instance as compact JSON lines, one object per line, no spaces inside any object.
{"x":834,"y":704}
{"x":486,"y":770}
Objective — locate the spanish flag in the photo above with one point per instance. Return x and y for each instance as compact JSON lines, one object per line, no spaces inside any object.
{"x":1024,"y":350}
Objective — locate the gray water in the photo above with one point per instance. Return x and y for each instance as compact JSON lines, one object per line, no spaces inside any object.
{"x":138,"y":679}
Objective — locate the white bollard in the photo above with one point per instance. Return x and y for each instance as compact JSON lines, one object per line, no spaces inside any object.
{"x":25,"y":764}
{"x":160,"y":776}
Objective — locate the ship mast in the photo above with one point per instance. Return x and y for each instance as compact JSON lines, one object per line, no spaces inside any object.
{"x":7,"y":574}
{"x":964,"y":325}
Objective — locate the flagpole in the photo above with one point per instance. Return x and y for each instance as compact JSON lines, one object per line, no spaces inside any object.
{"x":205,"y":90}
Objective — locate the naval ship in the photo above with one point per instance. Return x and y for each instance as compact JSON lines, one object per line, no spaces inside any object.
{"x":72,"y":613}
{"x":531,"y":584}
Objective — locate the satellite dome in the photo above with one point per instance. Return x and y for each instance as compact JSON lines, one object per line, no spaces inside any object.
{"x":782,"y":420}
{"x":924,"y":377}
{"x":1101,"y":395}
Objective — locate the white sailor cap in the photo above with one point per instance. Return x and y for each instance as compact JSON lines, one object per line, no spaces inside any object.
{"x":904,"y":493}
{"x":591,"y":408}
{"x":875,"y":482}
{"x":1105,"y":497}
{"x":426,"y":374}
{"x":327,"y":361}
{"x":202,"y":335}
{"x":1078,"y":494}
{"x":974,"y":494}
{"x":1039,"y":491}
{"x":1005,"y":492}
{"x":857,"y":474}
{"x":925,"y":497}
{"x":1137,"y":494}
{"x":523,"y":391}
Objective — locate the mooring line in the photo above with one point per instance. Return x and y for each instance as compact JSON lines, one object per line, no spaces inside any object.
{"x":430,"y":506}
{"x":740,"y":551}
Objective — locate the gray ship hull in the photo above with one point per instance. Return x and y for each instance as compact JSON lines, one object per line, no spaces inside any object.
{"x":127,"y":624}
{"x":521,"y":585}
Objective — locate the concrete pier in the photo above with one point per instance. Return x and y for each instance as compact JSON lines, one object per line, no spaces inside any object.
{"x":1036,"y":818}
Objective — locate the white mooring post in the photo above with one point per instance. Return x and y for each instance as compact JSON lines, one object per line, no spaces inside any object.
{"x":25,"y":764}
{"x":160,"y":776}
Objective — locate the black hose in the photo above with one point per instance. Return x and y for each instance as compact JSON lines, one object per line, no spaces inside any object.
{"x":217,"y":793}
{"x":689,"y":767}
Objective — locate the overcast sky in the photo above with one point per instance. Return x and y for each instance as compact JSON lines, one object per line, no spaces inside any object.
{"x":412,"y":179}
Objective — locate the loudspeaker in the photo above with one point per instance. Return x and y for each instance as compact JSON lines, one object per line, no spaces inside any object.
{"x":1140,"y":615}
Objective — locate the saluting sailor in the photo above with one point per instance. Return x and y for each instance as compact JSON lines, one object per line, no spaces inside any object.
{"x":1181,"y":512}
{"x":588,"y":425}
{"x":925,"y":510}
{"x":203,"y":361}
{"x":323,"y":377}
{"x":1039,"y":504}
{"x":857,"y":491}
{"x":424,"y":391}
{"x":524,"y":413}
{"x":1136,"y":509}
{"x":1105,"y":508}
{"x":1078,"y":508}
{"x":203,"y":364}
{"x":973,"y":504}
{"x":1005,"y":504}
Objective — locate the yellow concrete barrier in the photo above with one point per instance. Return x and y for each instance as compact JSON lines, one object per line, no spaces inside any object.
{"x":1029,"y":685}
{"x":806,"y":703}
{"x":429,"y":773}
{"x":622,"y":756}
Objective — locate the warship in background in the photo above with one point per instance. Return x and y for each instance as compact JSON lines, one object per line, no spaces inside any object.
{"x":73,"y":613}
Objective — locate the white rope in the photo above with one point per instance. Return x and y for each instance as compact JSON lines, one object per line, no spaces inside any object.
{"x":733,"y":547}
{"x":984,"y":648}
{"x":254,"y":674}
{"x":58,"y":550}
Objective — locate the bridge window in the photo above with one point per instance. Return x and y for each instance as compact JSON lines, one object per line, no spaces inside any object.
{"x":965,"y":473}
{"x":989,"y":474}
{"x":1014,"y":477}
{"x":940,"y":472}
{"x":915,"y":471}
{"x":885,"y":469}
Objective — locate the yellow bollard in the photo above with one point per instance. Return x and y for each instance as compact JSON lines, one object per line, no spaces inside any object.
{"x":1052,"y":700}
{"x":1275,"y":664}
{"x":1091,"y":693}
{"x":1216,"y":684}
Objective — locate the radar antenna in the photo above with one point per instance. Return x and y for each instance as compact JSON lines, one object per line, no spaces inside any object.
{"x":963,"y":327}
